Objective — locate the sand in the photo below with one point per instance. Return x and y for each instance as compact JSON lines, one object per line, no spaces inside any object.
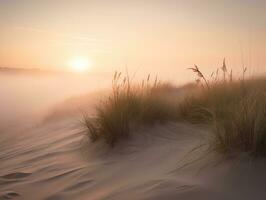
{"x":53,"y":160}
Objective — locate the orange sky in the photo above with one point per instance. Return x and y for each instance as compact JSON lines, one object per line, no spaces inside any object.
{"x":162,"y":36}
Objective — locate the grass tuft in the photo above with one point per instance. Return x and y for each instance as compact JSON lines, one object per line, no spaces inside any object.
{"x":235,"y":109}
{"x":129,"y":107}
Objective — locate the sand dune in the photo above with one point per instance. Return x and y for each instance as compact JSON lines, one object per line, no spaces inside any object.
{"x":49,"y":157}
{"x":49,"y":161}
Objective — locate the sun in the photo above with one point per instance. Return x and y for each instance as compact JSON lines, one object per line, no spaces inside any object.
{"x":80,"y":64}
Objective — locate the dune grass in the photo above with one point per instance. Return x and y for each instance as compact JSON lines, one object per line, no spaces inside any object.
{"x":129,"y":107}
{"x":234,"y":109}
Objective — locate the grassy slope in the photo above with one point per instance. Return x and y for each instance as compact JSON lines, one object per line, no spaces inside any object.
{"x":236,"y":110}
{"x":237,"y":113}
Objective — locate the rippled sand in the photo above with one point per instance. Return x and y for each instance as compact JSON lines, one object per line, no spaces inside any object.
{"x":52,"y":159}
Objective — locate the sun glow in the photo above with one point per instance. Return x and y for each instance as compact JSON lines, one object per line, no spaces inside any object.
{"x":80,"y":64}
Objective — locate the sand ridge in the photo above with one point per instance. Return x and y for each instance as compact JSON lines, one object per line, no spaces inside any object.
{"x":53,"y":160}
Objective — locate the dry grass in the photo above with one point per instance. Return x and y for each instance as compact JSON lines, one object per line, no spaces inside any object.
{"x":235,"y":109}
{"x":130,"y":106}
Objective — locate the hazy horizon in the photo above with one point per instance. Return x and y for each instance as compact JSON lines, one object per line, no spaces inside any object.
{"x":162,"y":37}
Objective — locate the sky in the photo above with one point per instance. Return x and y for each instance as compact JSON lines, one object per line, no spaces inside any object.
{"x":146,"y":36}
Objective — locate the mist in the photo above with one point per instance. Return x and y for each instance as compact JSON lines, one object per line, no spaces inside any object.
{"x":25,"y":96}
